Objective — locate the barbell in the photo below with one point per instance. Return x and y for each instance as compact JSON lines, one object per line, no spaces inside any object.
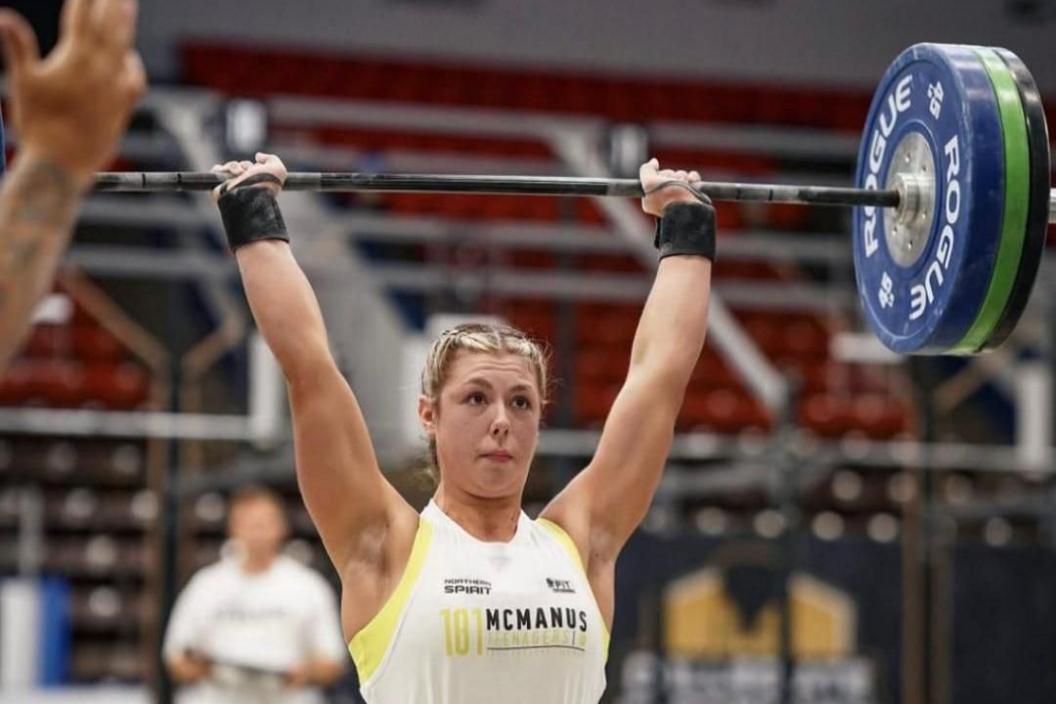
{"x":952,"y":197}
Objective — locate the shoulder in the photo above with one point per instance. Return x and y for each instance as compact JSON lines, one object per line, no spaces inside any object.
{"x":204,"y":590}
{"x":209,"y":575}
{"x":554,"y":532}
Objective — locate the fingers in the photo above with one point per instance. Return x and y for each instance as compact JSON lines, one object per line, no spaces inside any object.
{"x":113,"y":22}
{"x":274,"y":165}
{"x":270,"y":160}
{"x":665,"y":186}
{"x":19,"y":42}
{"x":238,"y":167}
{"x":123,"y":31}
{"x":134,"y":77}
{"x":232,"y":167}
{"x":651,"y":168}
{"x":229,"y":170}
{"x":109,"y":23}
{"x":76,"y":17}
{"x":268,"y":172}
{"x":648,"y":170}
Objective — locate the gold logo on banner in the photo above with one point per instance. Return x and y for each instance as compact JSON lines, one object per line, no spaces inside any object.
{"x":702,"y":620}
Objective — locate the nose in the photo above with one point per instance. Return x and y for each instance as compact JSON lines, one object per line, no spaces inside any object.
{"x":500,"y":424}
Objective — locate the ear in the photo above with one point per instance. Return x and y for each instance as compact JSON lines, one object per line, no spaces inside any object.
{"x":427,"y":414}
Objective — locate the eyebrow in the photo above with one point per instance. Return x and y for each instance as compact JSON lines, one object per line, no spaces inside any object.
{"x":481,"y":381}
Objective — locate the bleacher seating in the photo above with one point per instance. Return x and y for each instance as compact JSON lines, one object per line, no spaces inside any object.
{"x":77,"y":364}
{"x":96,"y":509}
{"x":258,"y":71}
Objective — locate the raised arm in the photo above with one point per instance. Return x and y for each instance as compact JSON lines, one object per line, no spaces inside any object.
{"x":69,"y":111}
{"x":605,"y":502}
{"x":350,"y":501}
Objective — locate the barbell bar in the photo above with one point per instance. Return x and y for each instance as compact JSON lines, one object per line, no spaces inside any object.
{"x":500,"y":185}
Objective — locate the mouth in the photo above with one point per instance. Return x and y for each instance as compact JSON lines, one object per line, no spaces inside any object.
{"x":498,"y":456}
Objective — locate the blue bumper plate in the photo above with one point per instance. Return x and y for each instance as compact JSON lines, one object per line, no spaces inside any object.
{"x":942,"y":93}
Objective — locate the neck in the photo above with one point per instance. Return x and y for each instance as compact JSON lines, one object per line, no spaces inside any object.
{"x":254,"y":564}
{"x":489,"y":520}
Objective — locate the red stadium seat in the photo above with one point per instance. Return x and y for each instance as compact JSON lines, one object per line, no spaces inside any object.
{"x":880,"y":417}
{"x":94,"y":344}
{"x":48,"y":341}
{"x":536,"y":318}
{"x":723,"y":410}
{"x":713,"y":371}
{"x":592,"y":402}
{"x":609,"y":263}
{"x":607,"y":324}
{"x":117,"y":386}
{"x":532,"y":259}
{"x":827,"y":415}
{"x":15,"y":385}
{"x":601,"y":365}
{"x":43,"y":382}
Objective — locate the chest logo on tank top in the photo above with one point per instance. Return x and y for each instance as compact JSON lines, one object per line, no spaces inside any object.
{"x":465,"y":585}
{"x":477,"y":631}
{"x":560,"y":586}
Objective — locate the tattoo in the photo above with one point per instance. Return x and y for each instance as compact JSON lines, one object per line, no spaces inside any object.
{"x":43,"y":196}
{"x":38,"y":202}
{"x":18,"y":258}
{"x":23,"y":253}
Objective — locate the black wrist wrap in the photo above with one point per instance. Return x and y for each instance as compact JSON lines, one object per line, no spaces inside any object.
{"x":251,"y":214}
{"x":686,"y":228}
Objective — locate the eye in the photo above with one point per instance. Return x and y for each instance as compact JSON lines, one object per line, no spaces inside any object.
{"x":522,"y":403}
{"x":476,"y":398}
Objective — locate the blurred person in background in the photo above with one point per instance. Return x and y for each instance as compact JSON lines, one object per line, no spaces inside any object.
{"x":257,"y":625}
{"x":69,"y":110}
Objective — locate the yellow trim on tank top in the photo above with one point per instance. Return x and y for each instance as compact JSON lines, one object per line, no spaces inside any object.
{"x":570,"y":547}
{"x":368,"y":647}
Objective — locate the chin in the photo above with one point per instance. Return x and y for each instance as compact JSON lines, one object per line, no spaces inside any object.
{"x":496,"y":483}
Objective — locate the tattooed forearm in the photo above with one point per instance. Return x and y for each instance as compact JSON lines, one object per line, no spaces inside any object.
{"x":38,"y":203}
{"x":43,"y":194}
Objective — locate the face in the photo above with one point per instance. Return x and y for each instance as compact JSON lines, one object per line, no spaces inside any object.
{"x":486,"y":423}
{"x":259,"y":526}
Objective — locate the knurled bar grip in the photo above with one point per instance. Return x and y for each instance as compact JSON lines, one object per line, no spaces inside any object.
{"x":503,"y":185}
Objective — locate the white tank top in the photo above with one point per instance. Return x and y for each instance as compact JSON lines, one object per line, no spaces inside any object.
{"x":472,"y":621}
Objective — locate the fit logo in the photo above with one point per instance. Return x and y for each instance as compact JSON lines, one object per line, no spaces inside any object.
{"x":935,"y":96}
{"x":886,"y":292}
{"x":560,"y":586}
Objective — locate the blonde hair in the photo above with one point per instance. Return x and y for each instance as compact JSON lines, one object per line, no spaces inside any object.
{"x":483,"y":338}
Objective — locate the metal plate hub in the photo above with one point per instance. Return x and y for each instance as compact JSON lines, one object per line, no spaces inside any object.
{"x":912,"y":174}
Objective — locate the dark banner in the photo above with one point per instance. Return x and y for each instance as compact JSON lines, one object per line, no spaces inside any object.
{"x":675,"y":593}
